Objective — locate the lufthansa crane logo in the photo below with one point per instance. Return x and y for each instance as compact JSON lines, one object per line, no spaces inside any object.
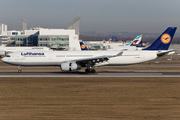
{"x":83,"y":46}
{"x":144,"y":44}
{"x":75,"y":37}
{"x":165,"y":38}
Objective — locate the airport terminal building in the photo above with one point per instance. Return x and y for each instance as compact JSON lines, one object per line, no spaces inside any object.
{"x":54,"y":38}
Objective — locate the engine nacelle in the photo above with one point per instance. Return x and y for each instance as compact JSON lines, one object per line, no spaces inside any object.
{"x":2,"y":53}
{"x":70,"y":66}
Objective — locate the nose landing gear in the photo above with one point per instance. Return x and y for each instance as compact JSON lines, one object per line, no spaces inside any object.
{"x":19,"y":69}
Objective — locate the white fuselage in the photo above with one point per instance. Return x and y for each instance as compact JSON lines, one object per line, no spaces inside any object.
{"x":16,"y":49}
{"x":55,"y":58}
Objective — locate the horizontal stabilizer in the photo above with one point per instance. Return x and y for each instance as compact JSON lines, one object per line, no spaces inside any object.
{"x":162,"y":53}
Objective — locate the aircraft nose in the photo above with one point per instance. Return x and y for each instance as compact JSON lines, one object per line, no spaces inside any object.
{"x":3,"y":59}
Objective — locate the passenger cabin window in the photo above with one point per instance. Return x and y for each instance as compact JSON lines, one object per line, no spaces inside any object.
{"x":8,"y":56}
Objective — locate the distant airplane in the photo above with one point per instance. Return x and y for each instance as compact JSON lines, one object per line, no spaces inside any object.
{"x":135,"y":42}
{"x":137,"y":47}
{"x":105,"y":40}
{"x":141,"y":44}
{"x":83,"y":47}
{"x":74,"y":60}
{"x":126,"y":46}
{"x":111,"y":39}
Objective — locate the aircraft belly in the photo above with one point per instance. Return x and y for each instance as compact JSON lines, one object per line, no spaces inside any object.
{"x":47,"y":63}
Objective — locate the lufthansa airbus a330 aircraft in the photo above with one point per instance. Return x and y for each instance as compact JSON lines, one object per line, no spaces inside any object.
{"x":74,"y":60}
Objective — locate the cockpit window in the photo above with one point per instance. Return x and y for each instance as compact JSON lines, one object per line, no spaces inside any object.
{"x":8,"y":56}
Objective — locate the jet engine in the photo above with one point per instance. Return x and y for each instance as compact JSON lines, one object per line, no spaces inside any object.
{"x":70,"y":66}
{"x":2,"y":53}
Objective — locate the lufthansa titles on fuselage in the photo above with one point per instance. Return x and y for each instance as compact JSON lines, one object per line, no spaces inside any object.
{"x":32,"y":54}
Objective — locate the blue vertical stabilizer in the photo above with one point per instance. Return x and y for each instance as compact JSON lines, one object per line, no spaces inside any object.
{"x":83,"y":47}
{"x":164,"y":40}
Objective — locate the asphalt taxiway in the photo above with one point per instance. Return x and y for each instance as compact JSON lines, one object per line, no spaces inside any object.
{"x":98,"y":74}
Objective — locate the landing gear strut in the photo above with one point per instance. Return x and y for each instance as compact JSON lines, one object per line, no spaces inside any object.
{"x":19,"y":69}
{"x":90,"y":68}
{"x":93,"y":71}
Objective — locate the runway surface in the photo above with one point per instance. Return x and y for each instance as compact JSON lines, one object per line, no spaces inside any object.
{"x":98,"y":74}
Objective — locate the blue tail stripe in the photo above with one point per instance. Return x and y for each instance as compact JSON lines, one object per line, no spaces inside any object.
{"x":161,"y":43}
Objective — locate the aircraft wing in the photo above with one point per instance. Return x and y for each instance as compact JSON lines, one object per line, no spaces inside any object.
{"x":97,"y":59}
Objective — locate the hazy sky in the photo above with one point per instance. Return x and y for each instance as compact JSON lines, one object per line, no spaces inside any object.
{"x":97,"y":15}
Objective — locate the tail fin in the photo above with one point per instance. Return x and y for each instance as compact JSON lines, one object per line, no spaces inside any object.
{"x":163,"y":41}
{"x":141,"y":44}
{"x":111,"y":39}
{"x":83,"y":47}
{"x":124,"y":42}
{"x":136,"y":41}
{"x":104,"y":40}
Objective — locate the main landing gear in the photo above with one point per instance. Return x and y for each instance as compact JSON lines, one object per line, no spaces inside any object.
{"x":90,"y":67}
{"x":90,"y":70}
{"x":19,"y":69}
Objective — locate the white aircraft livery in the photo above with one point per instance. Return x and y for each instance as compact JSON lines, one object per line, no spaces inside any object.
{"x":74,"y":60}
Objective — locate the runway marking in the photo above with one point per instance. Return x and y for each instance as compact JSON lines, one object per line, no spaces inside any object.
{"x":82,"y":74}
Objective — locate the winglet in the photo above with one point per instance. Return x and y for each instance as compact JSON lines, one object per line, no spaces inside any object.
{"x":119,"y":54}
{"x":164,"y":40}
